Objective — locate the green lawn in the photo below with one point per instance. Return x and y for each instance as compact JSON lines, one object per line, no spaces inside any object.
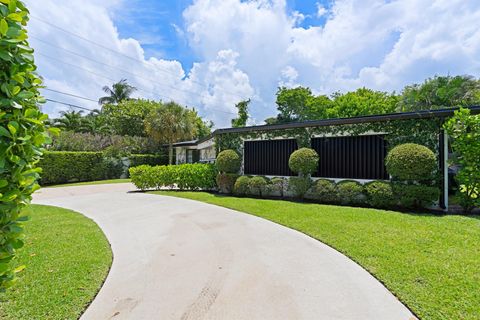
{"x":67,"y":258}
{"x":87,"y":183}
{"x":432,"y":263}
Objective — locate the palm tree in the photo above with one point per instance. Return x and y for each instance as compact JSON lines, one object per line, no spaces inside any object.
{"x":120,"y":91}
{"x":70,"y":120}
{"x":169,"y":123}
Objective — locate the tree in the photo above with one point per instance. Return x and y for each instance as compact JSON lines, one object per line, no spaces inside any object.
{"x":169,"y":123}
{"x":203,"y":128}
{"x":362,"y":102}
{"x":440,"y":92}
{"x":119,"y":92}
{"x":241,"y":120}
{"x":128,"y":117}
{"x":95,"y":122}
{"x":70,"y":120}
{"x":292,"y":104}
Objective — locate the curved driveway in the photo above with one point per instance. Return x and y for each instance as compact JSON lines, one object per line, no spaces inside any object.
{"x":182,"y":259}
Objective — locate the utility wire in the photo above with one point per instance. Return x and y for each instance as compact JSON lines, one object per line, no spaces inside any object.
{"x":117,"y":52}
{"x":70,"y":94}
{"x":69,"y":104}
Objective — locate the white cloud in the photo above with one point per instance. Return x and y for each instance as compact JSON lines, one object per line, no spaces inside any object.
{"x":248,"y":48}
{"x":321,"y":10}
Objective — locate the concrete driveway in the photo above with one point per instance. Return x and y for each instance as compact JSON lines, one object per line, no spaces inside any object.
{"x":182,"y":259}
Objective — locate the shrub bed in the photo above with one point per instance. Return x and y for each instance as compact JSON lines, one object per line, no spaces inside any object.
{"x":379,"y":194}
{"x":324,"y":191}
{"x":226,"y":182}
{"x":299,"y":186}
{"x":257,"y":185}
{"x":241,"y":186}
{"x":350,"y":192}
{"x":184,"y":176}
{"x":415,"y":196}
{"x":149,"y":159}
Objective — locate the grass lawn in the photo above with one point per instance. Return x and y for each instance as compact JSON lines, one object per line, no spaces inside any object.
{"x":89,"y":183}
{"x":431,"y":263}
{"x":67,"y":258}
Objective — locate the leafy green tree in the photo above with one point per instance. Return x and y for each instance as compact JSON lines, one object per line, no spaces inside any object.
{"x":203,"y":128}
{"x":119,"y":92}
{"x":362,"y":102}
{"x":128,"y":117}
{"x":241,"y":120}
{"x":293,"y":104}
{"x":22,"y":133}
{"x":440,"y":92}
{"x":169,"y":123}
{"x":95,"y":122}
{"x":70,"y":120}
{"x":464,"y":128}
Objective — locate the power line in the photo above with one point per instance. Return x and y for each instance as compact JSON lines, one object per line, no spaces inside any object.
{"x":118,"y":52}
{"x":70,"y":94}
{"x":69,"y":104}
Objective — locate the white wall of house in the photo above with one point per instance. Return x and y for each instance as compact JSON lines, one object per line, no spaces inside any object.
{"x":181,"y":155}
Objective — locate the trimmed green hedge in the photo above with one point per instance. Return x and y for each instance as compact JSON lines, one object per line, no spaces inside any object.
{"x":195,"y":176}
{"x":67,"y":166}
{"x":149,"y":159}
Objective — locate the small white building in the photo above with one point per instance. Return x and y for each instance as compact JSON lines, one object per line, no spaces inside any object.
{"x":193,"y":151}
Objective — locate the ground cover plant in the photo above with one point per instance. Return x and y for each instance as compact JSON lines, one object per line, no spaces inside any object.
{"x":64,"y":268}
{"x":429,"y":262}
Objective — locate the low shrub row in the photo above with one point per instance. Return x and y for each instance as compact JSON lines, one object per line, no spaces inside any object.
{"x":70,"y":166}
{"x":379,"y":194}
{"x":184,"y":176}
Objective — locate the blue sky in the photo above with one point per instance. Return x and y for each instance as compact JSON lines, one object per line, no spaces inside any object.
{"x":210,"y":54}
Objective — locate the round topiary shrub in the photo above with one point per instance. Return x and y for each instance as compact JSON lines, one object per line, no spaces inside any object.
{"x":350,"y":192}
{"x":256,"y":185}
{"x":241,"y":186}
{"x":323,"y":191}
{"x":228,"y":161}
{"x":303,"y":161}
{"x":226,"y":182}
{"x":411,"y":161}
{"x":379,"y":194}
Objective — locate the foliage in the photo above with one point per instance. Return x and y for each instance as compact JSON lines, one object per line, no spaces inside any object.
{"x":149,"y":159}
{"x":65,"y":166}
{"x":429,"y":262}
{"x":464,"y":128}
{"x":350,"y":192}
{"x":226,"y":182}
{"x":324,"y":191}
{"x":203,"y":128}
{"x":68,"y":258}
{"x":241,"y":186}
{"x":70,"y":120}
{"x":22,"y":133}
{"x":379,"y":194}
{"x":169,"y":123}
{"x":303,"y":161}
{"x":228,"y":161}
{"x":441,"y":92}
{"x":256,"y":186}
{"x":77,"y":141}
{"x":241,"y":120}
{"x":412,"y":162}
{"x":415,"y":196}
{"x":362,"y":102}
{"x":299,"y":186}
{"x":275,"y":187}
{"x":119,"y":92}
{"x":128,"y":116}
{"x":189,"y":176}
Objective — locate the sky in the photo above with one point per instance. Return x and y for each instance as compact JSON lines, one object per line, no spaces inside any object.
{"x":211,"y":54}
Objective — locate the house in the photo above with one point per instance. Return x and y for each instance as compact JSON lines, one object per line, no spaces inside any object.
{"x":349,"y":148}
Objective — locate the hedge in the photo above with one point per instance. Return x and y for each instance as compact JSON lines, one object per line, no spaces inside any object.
{"x":195,"y":176}
{"x":149,"y":159}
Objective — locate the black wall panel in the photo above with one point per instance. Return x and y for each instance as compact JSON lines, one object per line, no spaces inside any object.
{"x":268,"y":157}
{"x":360,"y":157}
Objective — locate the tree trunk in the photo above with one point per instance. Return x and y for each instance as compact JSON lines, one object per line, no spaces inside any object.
{"x":170,"y":153}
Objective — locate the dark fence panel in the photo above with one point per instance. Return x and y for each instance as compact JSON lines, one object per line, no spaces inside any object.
{"x":269,"y":157}
{"x":360,"y":157}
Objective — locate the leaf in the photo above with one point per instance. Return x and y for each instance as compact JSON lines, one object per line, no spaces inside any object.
{"x":15,"y":17}
{"x":13,"y":127}
{"x":19,"y":269}
{"x":4,"y":55}
{"x":3,"y":183}
{"x":3,"y":27}
{"x":5,"y":132}
{"x":16,"y":90}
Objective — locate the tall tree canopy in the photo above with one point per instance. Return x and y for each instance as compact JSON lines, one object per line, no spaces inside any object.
{"x":127,"y":118}
{"x":169,"y":123}
{"x":441,"y":92}
{"x":119,"y":92}
{"x":242,"y":118}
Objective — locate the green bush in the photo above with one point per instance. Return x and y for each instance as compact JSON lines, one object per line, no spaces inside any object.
{"x":350,"y":192}
{"x":241,"y":186}
{"x":22,"y":133}
{"x":149,"y":159}
{"x":65,"y":166}
{"x":226,"y":182}
{"x":275,"y":187}
{"x":323,"y":191}
{"x":303,"y":161}
{"x":379,"y":194}
{"x":228,"y":161}
{"x":411,"y":162}
{"x":299,"y":186}
{"x":415,"y":196}
{"x":256,"y":186}
{"x":195,"y":176}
